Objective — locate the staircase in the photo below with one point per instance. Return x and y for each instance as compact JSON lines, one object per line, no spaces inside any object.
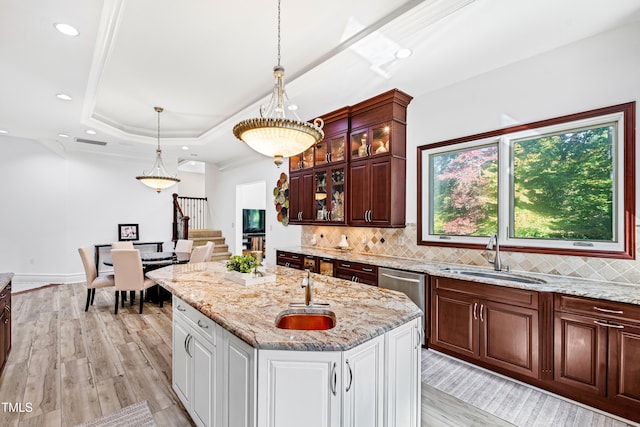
{"x":203,"y":235}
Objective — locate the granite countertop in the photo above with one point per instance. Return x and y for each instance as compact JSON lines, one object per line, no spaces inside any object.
{"x":612,"y":291}
{"x":249,"y":312}
{"x":5,"y":279}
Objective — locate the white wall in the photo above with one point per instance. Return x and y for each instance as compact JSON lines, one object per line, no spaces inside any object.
{"x":53,"y":205}
{"x":191,"y":185}
{"x":221,"y":192}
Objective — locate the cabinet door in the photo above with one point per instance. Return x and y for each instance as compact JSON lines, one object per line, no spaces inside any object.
{"x":307,"y":197}
{"x":299,"y":389}
{"x":239,"y":379}
{"x":624,"y":367}
{"x":181,"y":363}
{"x":203,"y":400}
{"x":363,"y":385}
{"x":509,"y":337}
{"x":380,"y":190}
{"x":359,"y":189}
{"x":402,"y":359}
{"x":454,"y":323}
{"x":295,"y":205}
{"x":580,"y":353}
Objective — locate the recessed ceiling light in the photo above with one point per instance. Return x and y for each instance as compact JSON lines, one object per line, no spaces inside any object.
{"x":66,"y":29}
{"x":91,"y":131}
{"x":63,"y":135}
{"x":292,"y":107}
{"x":63,"y":96}
{"x":403,"y":53}
{"x":3,"y":131}
{"x":184,"y":147}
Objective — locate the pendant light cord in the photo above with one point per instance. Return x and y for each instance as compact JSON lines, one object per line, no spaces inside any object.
{"x":279,"y":33}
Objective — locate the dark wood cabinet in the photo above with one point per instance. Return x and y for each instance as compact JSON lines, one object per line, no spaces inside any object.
{"x":597,"y":349}
{"x":357,"y":272}
{"x":301,"y":197}
{"x":359,"y":175}
{"x":5,"y":325}
{"x":290,"y":259}
{"x":491,"y":325}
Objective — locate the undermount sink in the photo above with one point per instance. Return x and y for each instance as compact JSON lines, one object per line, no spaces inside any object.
{"x":306,"y":320}
{"x":497,"y":275}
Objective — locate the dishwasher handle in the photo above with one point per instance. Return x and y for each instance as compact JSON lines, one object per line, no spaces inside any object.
{"x":404,"y":279}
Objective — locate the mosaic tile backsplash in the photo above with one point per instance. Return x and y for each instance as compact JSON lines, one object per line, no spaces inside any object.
{"x":401,"y":243}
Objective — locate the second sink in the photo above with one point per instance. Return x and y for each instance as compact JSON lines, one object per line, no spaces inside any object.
{"x":306,"y":320}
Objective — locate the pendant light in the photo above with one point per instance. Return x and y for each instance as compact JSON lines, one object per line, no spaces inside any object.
{"x":273,"y":134}
{"x":157,"y":177}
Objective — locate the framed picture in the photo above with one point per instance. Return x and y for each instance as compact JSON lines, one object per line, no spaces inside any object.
{"x":128,"y":232}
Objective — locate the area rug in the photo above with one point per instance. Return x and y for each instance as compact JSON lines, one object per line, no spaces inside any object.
{"x":136,"y":415}
{"x":509,"y":400}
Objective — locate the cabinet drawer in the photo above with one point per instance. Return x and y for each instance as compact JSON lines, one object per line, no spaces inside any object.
{"x":358,"y":267}
{"x":520,"y":297}
{"x":290,"y":259}
{"x":599,"y":308}
{"x":195,"y":319}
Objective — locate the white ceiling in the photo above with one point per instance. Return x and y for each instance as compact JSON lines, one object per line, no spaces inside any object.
{"x":209,"y":64}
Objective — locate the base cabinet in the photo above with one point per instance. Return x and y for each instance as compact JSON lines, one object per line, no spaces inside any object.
{"x":468,"y":320}
{"x":222,"y":381}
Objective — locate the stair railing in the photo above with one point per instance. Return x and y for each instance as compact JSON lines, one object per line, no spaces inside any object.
{"x":188,"y":212}
{"x":180,"y":226}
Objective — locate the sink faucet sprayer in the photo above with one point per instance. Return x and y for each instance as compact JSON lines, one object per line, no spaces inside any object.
{"x":496,"y":261}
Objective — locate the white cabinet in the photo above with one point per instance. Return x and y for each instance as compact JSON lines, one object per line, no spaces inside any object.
{"x":195,"y":363}
{"x":363,"y":385}
{"x":299,"y":388}
{"x":402,"y":364}
{"x":238,"y":372}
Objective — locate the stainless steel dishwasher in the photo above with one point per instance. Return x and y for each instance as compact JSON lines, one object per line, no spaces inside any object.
{"x":410,"y":283}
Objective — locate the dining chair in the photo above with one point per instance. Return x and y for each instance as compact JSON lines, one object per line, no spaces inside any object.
{"x":94,"y":281}
{"x":129,"y":275}
{"x":209,"y":246}
{"x":199,"y":254}
{"x":168,"y":246}
{"x":122,"y":245}
{"x":183,"y":245}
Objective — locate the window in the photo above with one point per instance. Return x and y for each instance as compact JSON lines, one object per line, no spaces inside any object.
{"x":563,"y":185}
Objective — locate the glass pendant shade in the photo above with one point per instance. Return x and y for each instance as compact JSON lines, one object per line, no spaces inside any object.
{"x":158,"y":178}
{"x":273,"y":134}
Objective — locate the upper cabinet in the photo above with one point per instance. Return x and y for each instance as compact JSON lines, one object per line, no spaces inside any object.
{"x":358,"y":169}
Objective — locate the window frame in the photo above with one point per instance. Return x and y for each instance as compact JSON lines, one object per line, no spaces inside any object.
{"x":624,"y":185}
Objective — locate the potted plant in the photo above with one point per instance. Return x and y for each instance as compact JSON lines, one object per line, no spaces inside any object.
{"x":243,"y":269}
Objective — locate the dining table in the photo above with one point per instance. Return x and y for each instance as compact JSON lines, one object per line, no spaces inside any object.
{"x":152,"y":261}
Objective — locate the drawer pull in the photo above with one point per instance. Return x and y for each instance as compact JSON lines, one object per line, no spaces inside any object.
{"x":345,"y":265}
{"x":369,"y":270}
{"x":606,"y":310}
{"x":334,"y":379}
{"x":608,"y":325}
{"x":180,"y":308}
{"x":202,"y":325}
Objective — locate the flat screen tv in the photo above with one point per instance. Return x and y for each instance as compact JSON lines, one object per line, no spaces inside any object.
{"x":253,"y":221}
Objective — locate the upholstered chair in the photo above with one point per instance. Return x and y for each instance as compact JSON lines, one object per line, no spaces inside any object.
{"x":184,"y":246}
{"x":94,"y":281}
{"x":209,"y":246}
{"x":122,"y":245}
{"x":199,"y":254}
{"x":129,"y":274}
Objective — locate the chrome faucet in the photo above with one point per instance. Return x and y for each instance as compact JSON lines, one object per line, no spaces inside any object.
{"x":307,"y":284}
{"x":497,"y":262}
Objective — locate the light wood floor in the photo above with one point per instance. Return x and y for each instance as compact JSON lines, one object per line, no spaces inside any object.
{"x":73,"y":366}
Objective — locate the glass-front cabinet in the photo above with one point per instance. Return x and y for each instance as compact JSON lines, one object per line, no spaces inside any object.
{"x":331,"y":150}
{"x":302,"y":160}
{"x":371,"y":141}
{"x":329,"y":195}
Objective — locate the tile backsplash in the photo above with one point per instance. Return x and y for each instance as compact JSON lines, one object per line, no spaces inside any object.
{"x":401,"y":243}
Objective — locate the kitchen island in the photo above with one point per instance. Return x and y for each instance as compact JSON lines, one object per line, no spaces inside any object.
{"x":232,"y":366}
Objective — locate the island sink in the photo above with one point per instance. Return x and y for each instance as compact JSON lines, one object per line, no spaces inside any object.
{"x":306,"y":320}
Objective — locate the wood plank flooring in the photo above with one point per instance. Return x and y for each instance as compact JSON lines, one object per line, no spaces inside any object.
{"x":73,"y":366}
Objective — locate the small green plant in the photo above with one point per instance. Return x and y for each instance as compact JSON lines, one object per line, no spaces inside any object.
{"x":242,"y":263}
